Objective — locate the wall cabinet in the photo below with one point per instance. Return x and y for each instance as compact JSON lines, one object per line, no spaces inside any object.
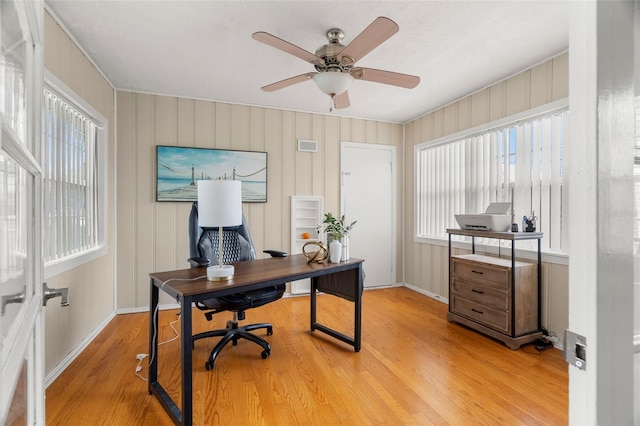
{"x":307,"y":213}
{"x":496,"y":296}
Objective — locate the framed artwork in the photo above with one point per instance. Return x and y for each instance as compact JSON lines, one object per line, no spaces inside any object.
{"x":178,"y":170}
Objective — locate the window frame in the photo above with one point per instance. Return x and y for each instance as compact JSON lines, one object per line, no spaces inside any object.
{"x":509,"y":121}
{"x":67,"y":263}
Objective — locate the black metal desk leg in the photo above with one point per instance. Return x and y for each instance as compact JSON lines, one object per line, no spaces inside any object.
{"x":357,"y":336}
{"x":187,"y":364}
{"x":513,"y":283}
{"x":153,"y":336}
{"x":539,"y":284}
{"x":312,"y":298}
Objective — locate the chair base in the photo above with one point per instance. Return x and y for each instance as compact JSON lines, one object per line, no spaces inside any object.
{"x":233,"y":333}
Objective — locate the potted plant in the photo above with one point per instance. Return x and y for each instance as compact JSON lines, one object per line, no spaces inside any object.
{"x":338,"y":230}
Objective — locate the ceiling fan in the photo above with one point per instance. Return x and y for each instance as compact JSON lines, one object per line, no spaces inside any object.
{"x":335,"y":62}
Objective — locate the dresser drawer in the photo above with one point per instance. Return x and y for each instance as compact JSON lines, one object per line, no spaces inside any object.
{"x":490,"y":275}
{"x":484,"y":295}
{"x":493,"y":318}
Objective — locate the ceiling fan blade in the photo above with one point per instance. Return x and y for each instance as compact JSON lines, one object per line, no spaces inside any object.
{"x":287,"y":47}
{"x":387,"y":77}
{"x":377,"y":32}
{"x":342,"y":100}
{"x":288,"y":82}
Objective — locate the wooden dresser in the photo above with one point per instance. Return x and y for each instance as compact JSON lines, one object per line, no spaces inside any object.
{"x":496,"y":296}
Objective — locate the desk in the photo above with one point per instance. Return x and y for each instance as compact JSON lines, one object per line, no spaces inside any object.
{"x":249,"y":275}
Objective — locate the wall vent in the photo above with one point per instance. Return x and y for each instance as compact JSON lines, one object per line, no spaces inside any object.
{"x":307,"y":146}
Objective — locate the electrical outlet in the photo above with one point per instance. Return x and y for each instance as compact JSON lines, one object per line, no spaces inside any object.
{"x":553,"y":339}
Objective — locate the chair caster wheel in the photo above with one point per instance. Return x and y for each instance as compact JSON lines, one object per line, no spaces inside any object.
{"x":265,"y":354}
{"x":269,"y":331}
{"x":208,"y":365}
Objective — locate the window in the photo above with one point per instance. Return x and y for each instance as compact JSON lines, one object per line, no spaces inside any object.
{"x":74,"y":187}
{"x":519,"y":159}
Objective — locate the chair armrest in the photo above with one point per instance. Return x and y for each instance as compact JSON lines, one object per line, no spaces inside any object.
{"x":276,"y":253}
{"x":199,"y":261}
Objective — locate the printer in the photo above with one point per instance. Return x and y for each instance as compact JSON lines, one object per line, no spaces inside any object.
{"x":495,"y":218}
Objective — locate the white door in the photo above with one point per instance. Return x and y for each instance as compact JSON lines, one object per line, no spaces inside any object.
{"x":21,"y":328}
{"x":368,"y":196}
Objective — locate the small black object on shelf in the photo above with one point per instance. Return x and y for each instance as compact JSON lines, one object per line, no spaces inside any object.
{"x":528,"y":224}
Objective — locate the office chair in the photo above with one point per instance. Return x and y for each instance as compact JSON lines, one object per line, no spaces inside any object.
{"x":203,"y":251}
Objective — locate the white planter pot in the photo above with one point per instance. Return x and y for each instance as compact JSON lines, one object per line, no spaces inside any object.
{"x":335,"y":251}
{"x":345,"y":248}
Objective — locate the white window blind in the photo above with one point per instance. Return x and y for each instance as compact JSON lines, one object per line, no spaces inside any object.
{"x":70,"y":186}
{"x":521,"y":161}
{"x":14,"y":184}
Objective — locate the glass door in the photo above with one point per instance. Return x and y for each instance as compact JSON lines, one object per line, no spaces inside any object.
{"x":636,"y":264}
{"x":21,"y":334}
{"x":636,"y":222}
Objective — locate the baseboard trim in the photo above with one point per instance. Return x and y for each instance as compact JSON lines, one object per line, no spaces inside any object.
{"x":427,"y":293}
{"x":71,"y":356}
{"x":306,"y":293}
{"x":382,"y":287}
{"x":124,"y":311}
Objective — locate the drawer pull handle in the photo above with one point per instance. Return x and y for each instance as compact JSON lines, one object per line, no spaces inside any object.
{"x":477,"y":291}
{"x":477,"y":311}
{"x":477,"y":272}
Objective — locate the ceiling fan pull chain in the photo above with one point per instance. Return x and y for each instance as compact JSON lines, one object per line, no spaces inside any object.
{"x":331,"y":103}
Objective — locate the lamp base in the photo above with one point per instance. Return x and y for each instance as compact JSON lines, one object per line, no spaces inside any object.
{"x":220,"y":273}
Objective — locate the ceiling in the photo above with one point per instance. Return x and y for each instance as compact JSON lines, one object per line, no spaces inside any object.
{"x":204,"y":50}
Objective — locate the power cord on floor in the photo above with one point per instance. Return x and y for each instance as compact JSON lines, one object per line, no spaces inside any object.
{"x":141,"y":357}
{"x":530,"y":352}
{"x":545,"y":342}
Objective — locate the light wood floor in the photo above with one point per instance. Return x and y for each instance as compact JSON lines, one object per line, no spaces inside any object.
{"x":414,"y":368}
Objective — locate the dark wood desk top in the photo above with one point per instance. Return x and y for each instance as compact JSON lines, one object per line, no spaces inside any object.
{"x":248,"y":275}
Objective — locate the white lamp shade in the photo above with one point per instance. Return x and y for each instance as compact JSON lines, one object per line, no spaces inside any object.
{"x":333,"y":83}
{"x":219,"y":203}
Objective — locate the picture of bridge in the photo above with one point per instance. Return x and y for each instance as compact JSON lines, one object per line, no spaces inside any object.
{"x":178,"y":170}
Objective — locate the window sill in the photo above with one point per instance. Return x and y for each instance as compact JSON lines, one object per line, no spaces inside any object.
{"x":57,"y":267}
{"x":528,"y":254}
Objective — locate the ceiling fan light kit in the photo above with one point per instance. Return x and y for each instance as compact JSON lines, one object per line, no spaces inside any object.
{"x":333,"y":83}
{"x":334,"y":62}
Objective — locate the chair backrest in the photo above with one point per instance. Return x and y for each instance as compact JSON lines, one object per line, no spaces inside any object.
{"x":203,"y":242}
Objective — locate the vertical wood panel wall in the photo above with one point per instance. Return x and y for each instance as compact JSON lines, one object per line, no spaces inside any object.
{"x":426,"y":266}
{"x":91,"y":286}
{"x":152,"y":236}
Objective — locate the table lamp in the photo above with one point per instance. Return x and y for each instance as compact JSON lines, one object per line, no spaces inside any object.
{"x":219,"y":204}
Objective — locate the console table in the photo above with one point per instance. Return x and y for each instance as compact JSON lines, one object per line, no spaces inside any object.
{"x":496,"y":296}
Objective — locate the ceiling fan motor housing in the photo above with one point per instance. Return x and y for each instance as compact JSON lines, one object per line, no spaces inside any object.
{"x":330,"y":51}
